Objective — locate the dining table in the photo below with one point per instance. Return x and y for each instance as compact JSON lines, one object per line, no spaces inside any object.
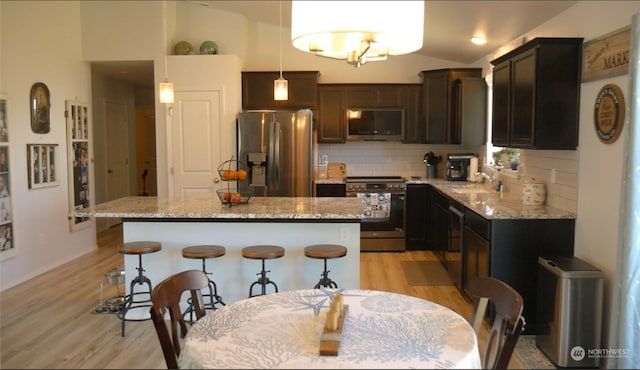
{"x":284,"y":330}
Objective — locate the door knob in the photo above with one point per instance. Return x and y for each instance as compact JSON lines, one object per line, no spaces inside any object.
{"x":216,"y":180}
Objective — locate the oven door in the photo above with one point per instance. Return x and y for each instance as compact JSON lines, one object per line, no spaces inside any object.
{"x":382,"y":228}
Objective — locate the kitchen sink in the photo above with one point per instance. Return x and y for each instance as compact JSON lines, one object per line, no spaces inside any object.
{"x":470,"y":190}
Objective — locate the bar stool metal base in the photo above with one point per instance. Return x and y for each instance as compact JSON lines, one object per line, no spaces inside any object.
{"x":211,"y":299}
{"x":262,"y":252}
{"x":324,"y":252}
{"x":325,"y":280}
{"x":263,"y":281}
{"x":141,"y":299}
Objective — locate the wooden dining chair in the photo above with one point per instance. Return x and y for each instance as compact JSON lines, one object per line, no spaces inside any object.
{"x":166,"y":296}
{"x":506,"y":322}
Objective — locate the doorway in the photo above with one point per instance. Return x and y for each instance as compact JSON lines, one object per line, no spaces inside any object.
{"x":123,"y":101}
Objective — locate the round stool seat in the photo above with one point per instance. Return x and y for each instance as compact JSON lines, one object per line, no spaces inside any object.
{"x":203,"y":251}
{"x":261,"y":252}
{"x":325,"y":251}
{"x":141,"y":247}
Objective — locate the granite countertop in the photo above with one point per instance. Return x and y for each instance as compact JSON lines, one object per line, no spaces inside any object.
{"x":212,"y":208}
{"x":487,"y":203}
{"x":492,"y":204}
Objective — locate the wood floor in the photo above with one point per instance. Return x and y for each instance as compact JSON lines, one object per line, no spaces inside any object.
{"x":48,"y":321}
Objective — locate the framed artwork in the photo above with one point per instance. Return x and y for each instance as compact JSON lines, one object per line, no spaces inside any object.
{"x":80,"y":166}
{"x":7,"y":245}
{"x":42,"y":165}
{"x":40,"y":105}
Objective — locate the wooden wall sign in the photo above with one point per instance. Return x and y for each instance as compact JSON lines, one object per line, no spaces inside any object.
{"x":607,"y":56}
{"x":609,"y":113}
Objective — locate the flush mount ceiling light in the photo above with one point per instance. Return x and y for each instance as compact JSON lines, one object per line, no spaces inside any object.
{"x":478,"y":40}
{"x":357,"y":31}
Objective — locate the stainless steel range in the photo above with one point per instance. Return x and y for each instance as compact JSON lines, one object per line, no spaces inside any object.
{"x":382,"y":229}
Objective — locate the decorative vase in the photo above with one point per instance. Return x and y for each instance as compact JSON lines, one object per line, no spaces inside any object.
{"x":208,"y":48}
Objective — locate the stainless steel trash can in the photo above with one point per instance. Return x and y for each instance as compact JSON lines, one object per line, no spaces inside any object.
{"x":569,"y":310}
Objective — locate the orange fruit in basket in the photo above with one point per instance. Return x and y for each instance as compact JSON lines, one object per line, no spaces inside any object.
{"x":229,"y":174}
{"x":236,"y":198}
{"x":241,"y":175}
{"x":226,"y":197}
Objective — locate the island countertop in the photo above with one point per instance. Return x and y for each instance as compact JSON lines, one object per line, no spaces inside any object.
{"x":258,"y":208}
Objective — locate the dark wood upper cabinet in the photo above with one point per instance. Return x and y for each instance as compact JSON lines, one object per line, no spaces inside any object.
{"x":469,"y":111}
{"x":373,"y":95}
{"x":536,"y":95}
{"x":330,"y":123}
{"x":257,"y":90}
{"x":440,"y":109}
{"x":411,"y":96}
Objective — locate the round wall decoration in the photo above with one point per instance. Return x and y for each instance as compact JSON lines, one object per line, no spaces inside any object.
{"x":609,"y":113}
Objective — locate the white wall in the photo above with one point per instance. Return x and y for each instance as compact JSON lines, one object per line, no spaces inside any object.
{"x":41,"y":42}
{"x":596,"y":168}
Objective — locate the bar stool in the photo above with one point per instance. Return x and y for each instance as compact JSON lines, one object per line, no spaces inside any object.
{"x":325,"y":251}
{"x":262,"y":252}
{"x":205,"y":252}
{"x":139,"y":248}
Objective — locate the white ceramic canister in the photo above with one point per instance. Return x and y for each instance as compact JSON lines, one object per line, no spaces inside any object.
{"x":533,"y":193}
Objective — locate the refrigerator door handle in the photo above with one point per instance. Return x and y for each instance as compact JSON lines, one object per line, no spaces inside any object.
{"x":273,"y":165}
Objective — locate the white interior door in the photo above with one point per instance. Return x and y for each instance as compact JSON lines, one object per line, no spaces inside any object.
{"x":195,"y":143}
{"x":117,"y":143}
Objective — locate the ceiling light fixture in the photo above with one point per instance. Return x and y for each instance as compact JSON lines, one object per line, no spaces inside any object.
{"x":166,"y":87}
{"x":478,"y":40}
{"x":280,"y":86}
{"x":357,"y":31}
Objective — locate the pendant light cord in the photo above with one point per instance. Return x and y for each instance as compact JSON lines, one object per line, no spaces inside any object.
{"x":164,"y":39}
{"x":280,"y":37}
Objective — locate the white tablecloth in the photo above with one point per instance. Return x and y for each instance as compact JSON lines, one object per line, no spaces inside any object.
{"x":381,"y":330}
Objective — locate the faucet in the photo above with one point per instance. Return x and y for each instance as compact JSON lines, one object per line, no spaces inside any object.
{"x":483,"y":176}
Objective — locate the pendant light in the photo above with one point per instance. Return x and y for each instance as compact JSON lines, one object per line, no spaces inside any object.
{"x":280,"y":86}
{"x":357,"y":31}
{"x":166,"y":87}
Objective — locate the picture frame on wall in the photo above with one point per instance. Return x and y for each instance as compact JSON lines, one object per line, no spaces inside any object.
{"x":40,"y":106}
{"x":42,"y":165}
{"x":7,"y":244}
{"x":80,"y":163}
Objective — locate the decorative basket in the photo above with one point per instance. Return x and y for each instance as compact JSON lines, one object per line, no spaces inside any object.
{"x":232,"y":171}
{"x":232,"y":196}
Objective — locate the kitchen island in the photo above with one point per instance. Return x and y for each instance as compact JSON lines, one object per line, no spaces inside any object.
{"x":292,"y":223}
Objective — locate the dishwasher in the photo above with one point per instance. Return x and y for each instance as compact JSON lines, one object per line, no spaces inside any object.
{"x":453,"y":254}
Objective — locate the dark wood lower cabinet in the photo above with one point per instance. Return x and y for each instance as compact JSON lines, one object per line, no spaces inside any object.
{"x":415,"y":207}
{"x":508,"y":250}
{"x":331,"y":190}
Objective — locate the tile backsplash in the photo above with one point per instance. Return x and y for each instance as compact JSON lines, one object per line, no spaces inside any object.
{"x":387,"y":158}
{"x":557,"y":169}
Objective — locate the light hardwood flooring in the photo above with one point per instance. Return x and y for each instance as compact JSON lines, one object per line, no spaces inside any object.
{"x":48,"y":321}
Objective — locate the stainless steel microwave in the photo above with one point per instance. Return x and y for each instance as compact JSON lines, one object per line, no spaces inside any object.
{"x":375,"y":124}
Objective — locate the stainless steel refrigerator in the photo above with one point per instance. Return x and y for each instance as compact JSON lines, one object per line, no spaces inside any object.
{"x":276,"y":147}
